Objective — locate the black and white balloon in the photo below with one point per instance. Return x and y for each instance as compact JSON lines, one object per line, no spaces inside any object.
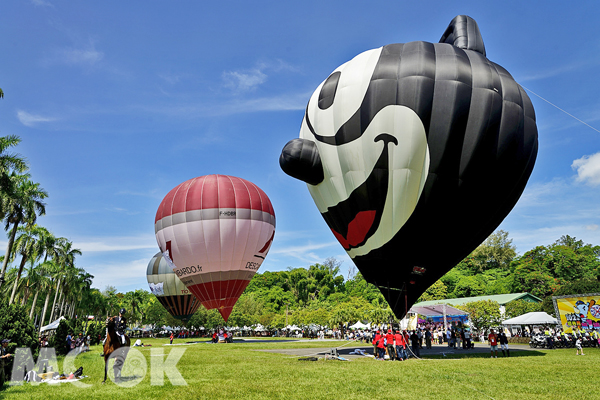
{"x":414,"y":153}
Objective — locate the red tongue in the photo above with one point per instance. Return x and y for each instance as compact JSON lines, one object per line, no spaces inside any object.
{"x":357,"y":229}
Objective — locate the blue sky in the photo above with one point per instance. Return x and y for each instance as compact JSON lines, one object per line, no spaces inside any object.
{"x":118,"y":102}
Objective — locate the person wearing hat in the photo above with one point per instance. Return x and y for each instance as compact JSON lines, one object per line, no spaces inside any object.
{"x":121,"y":325}
{"x":4,"y":356}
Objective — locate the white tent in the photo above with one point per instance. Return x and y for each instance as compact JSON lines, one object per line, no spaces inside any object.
{"x":532,"y":318}
{"x":292,"y":328}
{"x":52,"y":325}
{"x":358,"y":325}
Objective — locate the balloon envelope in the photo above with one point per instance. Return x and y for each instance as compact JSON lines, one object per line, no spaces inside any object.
{"x":414,"y":153}
{"x":169,"y":290}
{"x":216,"y":230}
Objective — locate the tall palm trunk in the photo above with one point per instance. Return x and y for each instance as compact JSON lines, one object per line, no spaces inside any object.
{"x":11,"y":241}
{"x":45,"y":308}
{"x":14,"y":291}
{"x":33,"y":305}
{"x":25,"y":295}
{"x":62,"y":306}
{"x":55,"y":296}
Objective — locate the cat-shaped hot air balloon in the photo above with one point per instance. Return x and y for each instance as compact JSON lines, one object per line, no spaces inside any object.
{"x":414,"y":153}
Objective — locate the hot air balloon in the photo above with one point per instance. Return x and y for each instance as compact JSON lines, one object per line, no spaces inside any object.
{"x":169,"y":290}
{"x":216,"y":231}
{"x":414,"y":153}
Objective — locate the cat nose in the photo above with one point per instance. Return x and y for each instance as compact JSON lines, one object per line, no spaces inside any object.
{"x":300,"y":159}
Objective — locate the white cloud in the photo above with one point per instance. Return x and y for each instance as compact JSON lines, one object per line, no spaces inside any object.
{"x":243,"y":81}
{"x":79,"y":56}
{"x":31,"y":120}
{"x":287,"y":102}
{"x":109,"y":244}
{"x":41,"y":3}
{"x":588,"y":169}
{"x":549,"y":73}
{"x":246,"y":80}
{"x":86,"y":55}
{"x":130,"y":273}
{"x":305,"y":253}
{"x":170,"y":78}
{"x":542,"y":193}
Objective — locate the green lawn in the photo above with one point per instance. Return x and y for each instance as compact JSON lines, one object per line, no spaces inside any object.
{"x":237,"y":371}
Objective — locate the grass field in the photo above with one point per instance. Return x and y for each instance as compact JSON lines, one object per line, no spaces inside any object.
{"x":238,"y":371}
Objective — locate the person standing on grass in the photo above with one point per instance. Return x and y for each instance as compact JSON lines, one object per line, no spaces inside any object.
{"x":596,"y":336}
{"x":375,"y":343}
{"x":4,"y":357}
{"x":467,"y":339}
{"x":381,"y":347}
{"x":493,"y":339}
{"x":400,"y":346}
{"x":503,"y":340}
{"x":171,"y":338}
{"x":427,"y":338}
{"x":414,"y":339}
{"x":578,"y":346}
{"x":389,"y":344}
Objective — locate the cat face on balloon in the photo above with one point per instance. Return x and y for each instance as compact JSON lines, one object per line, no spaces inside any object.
{"x":365,"y":159}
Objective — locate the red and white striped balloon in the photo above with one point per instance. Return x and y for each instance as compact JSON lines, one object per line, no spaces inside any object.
{"x":215,"y":230}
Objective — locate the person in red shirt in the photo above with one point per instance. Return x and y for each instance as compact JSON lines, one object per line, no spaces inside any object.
{"x":381,"y":347}
{"x":375,"y":342}
{"x":493,"y":339}
{"x":400,"y":352}
{"x":389,"y":340}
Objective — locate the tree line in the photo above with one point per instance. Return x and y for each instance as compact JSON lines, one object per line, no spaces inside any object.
{"x":44,"y":279}
{"x":320,"y":295}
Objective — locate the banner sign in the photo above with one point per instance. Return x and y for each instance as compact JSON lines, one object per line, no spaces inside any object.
{"x":580,"y":311}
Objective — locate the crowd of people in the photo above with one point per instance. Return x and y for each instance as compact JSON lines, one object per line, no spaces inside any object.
{"x":401,"y":344}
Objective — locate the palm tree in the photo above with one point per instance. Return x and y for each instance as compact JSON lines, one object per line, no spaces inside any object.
{"x":50,"y":271}
{"x":65,"y":257}
{"x":135,"y":299}
{"x":9,"y":162}
{"x":32,"y":283}
{"x":81,"y":282}
{"x":29,"y":247}
{"x":22,"y":206}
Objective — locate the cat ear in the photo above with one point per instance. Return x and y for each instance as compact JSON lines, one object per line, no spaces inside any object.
{"x":300,"y":159}
{"x":463,"y":33}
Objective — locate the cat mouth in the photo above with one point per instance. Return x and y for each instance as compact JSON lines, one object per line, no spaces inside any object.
{"x":354,"y":220}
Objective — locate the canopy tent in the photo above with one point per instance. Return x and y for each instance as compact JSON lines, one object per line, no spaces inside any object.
{"x":441,"y":313}
{"x":358,"y":325}
{"x":532,"y":318}
{"x":438,"y":310}
{"x":292,"y":328}
{"x":52,"y":325}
